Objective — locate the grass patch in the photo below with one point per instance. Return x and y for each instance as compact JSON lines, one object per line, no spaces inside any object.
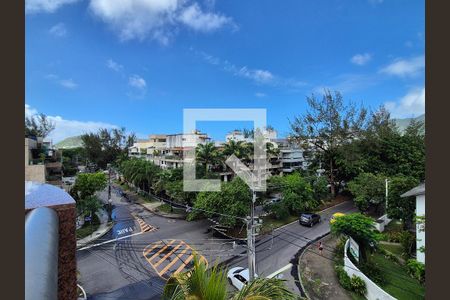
{"x":87,"y":229}
{"x":398,"y":283}
{"x":395,"y":249}
{"x":166,"y":209}
{"x":270,"y":223}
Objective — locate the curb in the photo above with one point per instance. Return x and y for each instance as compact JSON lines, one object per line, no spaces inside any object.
{"x":108,"y":228}
{"x":174,"y":216}
{"x":299,"y":255}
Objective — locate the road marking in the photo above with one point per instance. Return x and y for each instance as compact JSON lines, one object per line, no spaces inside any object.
{"x":145,"y":227}
{"x":149,"y":250}
{"x":184,"y":264}
{"x":285,"y":268}
{"x":172,"y":262}
{"x":168,"y":254}
{"x":109,"y":241}
{"x":161,"y":250}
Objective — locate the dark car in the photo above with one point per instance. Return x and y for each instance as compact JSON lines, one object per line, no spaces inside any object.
{"x":309,"y":219}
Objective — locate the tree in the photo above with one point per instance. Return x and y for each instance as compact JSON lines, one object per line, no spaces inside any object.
{"x":359,"y":227}
{"x":328,"y":125}
{"x":368,"y":189}
{"x":238,"y":148}
{"x":140,"y":172}
{"x":90,"y":205}
{"x":398,"y":207}
{"x":87,"y":184}
{"x":201,"y":283}
{"x":233,"y":199}
{"x":107,"y":146}
{"x":38,"y":125}
{"x":297,"y":193}
{"x":207,"y":155}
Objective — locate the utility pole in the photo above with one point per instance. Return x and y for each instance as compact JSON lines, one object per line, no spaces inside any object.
{"x":251,"y":249}
{"x":109,"y":192}
{"x":387,"y":194}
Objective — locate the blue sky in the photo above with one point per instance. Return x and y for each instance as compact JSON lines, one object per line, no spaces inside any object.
{"x":102,"y":63}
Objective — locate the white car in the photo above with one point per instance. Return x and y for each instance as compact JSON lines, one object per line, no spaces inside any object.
{"x":238,"y":277}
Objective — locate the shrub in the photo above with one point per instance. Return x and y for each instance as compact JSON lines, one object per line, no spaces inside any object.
{"x":339,"y":249}
{"x":358,"y":285}
{"x":373,"y":271}
{"x":343,"y":278}
{"x":408,"y":241}
{"x":416,"y":269}
{"x":280,"y":211}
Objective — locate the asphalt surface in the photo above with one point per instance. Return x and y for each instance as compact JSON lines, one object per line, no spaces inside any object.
{"x":125,"y":268}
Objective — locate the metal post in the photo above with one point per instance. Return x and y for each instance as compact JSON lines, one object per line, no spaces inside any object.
{"x":251,"y":239}
{"x":387,"y":193}
{"x":109,"y":192}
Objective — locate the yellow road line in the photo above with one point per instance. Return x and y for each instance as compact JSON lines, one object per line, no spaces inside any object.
{"x":149,"y":250}
{"x":184,"y":264}
{"x":161,"y":250}
{"x":168,"y":254}
{"x":173,"y":262}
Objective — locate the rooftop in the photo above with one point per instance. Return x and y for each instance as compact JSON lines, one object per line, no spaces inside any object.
{"x":418,"y":190}
{"x":41,"y":194}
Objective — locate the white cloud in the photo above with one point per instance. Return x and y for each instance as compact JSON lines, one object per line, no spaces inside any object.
{"x":361,"y":59}
{"x":58,"y":30}
{"x":68,"y":83}
{"x":137,"y":82}
{"x":46,"y":6}
{"x":348,"y":83}
{"x":259,"y":76}
{"x":410,"y":105}
{"x":114,"y":65}
{"x":198,"y":20}
{"x":67,"y":128}
{"x":154,"y":19}
{"x":260,"y":95}
{"x":405,"y":67}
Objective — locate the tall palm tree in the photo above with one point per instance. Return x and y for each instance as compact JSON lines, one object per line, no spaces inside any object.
{"x":201,"y":283}
{"x":208,"y":155}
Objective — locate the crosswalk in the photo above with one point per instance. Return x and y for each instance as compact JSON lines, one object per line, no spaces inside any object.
{"x":169,"y":257}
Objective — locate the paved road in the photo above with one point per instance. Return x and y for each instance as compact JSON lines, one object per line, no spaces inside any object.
{"x":154,"y":247}
{"x":276,"y":251}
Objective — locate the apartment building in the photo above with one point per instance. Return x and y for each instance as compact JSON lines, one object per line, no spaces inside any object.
{"x":291,"y":156}
{"x":42,"y":162}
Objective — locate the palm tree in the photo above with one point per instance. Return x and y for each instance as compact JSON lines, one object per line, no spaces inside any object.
{"x":201,"y":283}
{"x":207,"y":155}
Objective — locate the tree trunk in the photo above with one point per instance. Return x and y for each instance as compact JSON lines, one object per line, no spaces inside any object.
{"x":332,"y":186}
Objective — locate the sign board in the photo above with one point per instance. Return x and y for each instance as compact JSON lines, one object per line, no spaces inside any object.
{"x":354,"y":249}
{"x":88,"y":218}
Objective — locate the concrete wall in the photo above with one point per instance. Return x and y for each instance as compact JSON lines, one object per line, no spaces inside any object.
{"x":384,"y":220}
{"x":35,"y":173}
{"x":374,"y":292}
{"x":420,"y":235}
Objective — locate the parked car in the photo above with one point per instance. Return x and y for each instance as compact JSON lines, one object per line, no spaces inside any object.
{"x":336,"y":215}
{"x":309,"y":219}
{"x":238,"y":277}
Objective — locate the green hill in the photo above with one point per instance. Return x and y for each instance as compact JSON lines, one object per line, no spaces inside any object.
{"x":403,"y":123}
{"x":70,"y":142}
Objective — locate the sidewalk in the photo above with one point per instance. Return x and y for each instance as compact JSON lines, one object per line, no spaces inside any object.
{"x":104,"y":227}
{"x":153,"y":208}
{"x":318,"y":276}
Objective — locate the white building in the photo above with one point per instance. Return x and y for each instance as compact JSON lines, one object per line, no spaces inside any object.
{"x":419,"y":193}
{"x":291,"y":156}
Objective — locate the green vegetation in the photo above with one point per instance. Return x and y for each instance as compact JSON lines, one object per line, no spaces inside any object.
{"x":201,"y":283}
{"x":88,"y":228}
{"x":360,"y":228}
{"x":167,"y":208}
{"x":395,"y":249}
{"x":84,"y":189}
{"x":38,"y":126}
{"x":398,"y":283}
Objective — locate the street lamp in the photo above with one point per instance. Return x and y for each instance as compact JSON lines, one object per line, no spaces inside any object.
{"x":110,"y":208}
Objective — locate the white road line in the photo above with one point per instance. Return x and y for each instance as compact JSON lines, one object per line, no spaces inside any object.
{"x":285,"y":268}
{"x":109,"y":241}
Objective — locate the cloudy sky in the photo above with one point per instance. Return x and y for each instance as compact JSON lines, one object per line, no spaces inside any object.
{"x":139,"y":63}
